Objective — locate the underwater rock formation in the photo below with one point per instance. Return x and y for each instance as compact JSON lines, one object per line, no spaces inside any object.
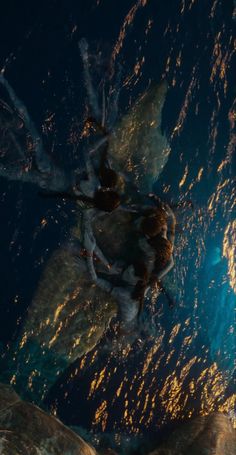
{"x":138,"y":140}
{"x":27,"y":430}
{"x":66,"y":319}
{"x":205,"y":435}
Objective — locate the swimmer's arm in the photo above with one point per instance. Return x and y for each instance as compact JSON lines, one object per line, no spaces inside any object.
{"x":171,"y":224}
{"x":98,"y":145}
{"x":91,"y":248}
{"x":142,"y":210}
{"x":89,"y":240}
{"x":90,"y":170}
{"x":166,"y":270}
{"x":134,"y":208}
{"x":92,"y":242}
{"x":103,"y":284}
{"x":101,"y":256}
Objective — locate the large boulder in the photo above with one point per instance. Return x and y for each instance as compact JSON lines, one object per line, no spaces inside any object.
{"x":206,"y":435}
{"x":27,"y":430}
{"x":138,"y":145}
{"x":67,"y":318}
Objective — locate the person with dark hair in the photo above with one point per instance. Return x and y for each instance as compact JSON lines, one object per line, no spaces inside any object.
{"x":153,"y":221}
{"x":163,"y":243}
{"x":157,"y":228}
{"x":136,"y":278}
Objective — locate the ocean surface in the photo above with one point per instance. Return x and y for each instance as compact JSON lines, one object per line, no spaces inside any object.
{"x":183,"y":366}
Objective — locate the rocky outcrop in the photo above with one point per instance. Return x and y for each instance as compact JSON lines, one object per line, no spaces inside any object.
{"x":207,"y":435}
{"x":27,"y":430}
{"x":137,"y":144}
{"x":67,"y":318}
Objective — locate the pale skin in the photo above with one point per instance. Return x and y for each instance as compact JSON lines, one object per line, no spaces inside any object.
{"x":128,"y":307}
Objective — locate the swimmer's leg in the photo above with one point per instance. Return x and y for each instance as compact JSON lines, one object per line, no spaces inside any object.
{"x":56,"y":181}
{"x":44,"y":174}
{"x":114,"y":99}
{"x":98,"y":145}
{"x":92,"y":96}
{"x":42,"y":160}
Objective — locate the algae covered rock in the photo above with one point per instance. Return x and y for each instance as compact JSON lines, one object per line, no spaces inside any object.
{"x":138,"y":145}
{"x":67,"y":318}
{"x":205,"y":435}
{"x":27,"y":430}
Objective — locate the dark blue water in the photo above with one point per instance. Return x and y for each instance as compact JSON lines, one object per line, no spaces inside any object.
{"x":190,"y":44}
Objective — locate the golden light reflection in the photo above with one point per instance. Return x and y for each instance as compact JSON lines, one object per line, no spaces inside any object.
{"x":129,"y":18}
{"x":101,"y":416}
{"x":175,"y":397}
{"x":186,"y":104}
{"x":229,"y":252}
{"x":165,"y":361}
{"x":183,"y":180}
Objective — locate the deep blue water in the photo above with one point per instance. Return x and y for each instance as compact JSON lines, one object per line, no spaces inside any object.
{"x":190,"y":44}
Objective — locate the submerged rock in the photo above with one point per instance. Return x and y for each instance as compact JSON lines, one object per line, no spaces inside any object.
{"x":137,"y":145}
{"x":27,"y":430}
{"x":67,"y":318}
{"x":206,"y":435}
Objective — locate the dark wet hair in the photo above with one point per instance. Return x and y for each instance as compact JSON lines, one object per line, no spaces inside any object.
{"x":140,"y":269}
{"x":106,"y":200}
{"x":163,"y":248}
{"x":108,"y":177}
{"x":153,"y":222}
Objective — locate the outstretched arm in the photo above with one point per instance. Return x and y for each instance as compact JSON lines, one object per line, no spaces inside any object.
{"x":166,"y":269}
{"x":171,"y":224}
{"x":89,"y":239}
{"x":42,"y":160}
{"x":93,"y":101}
{"x":89,"y":244}
{"x":44,"y":174}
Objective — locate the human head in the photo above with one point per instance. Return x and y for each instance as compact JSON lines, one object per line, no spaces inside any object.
{"x":153,"y":222}
{"x":108,"y":177}
{"x":106,"y":200}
